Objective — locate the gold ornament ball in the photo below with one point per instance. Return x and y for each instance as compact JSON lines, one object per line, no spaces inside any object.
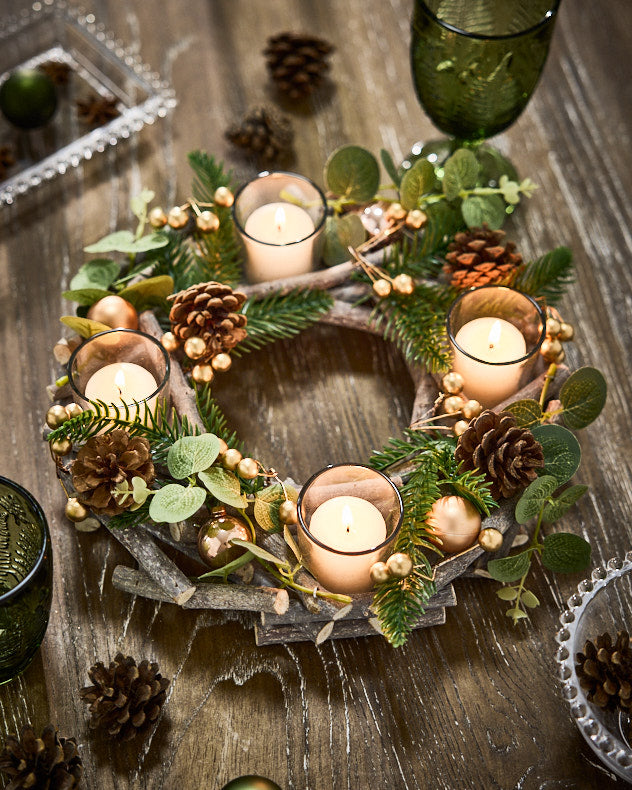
{"x":221,"y":362}
{"x":453,"y":404}
{"x":566,"y":332}
{"x":247,"y":468}
{"x":178,"y":217}
{"x":471,"y":409}
{"x":75,"y":511}
{"x":490,"y":539}
{"x":214,"y":538}
{"x":194,"y":347}
{"x":379,"y":572}
{"x":288,"y":513}
{"x":552,"y":327}
{"x":403,"y":284}
{"x":550,"y":349}
{"x":399,"y":565}
{"x":231,"y":458}
{"x":73,"y":410}
{"x":223,"y":197}
{"x":452,"y":383}
{"x":395,"y":212}
{"x":460,"y":427}
{"x":202,"y":374}
{"x":207,"y":222}
{"x":222,"y":446}
{"x":382,"y":288}
{"x":114,"y":311}
{"x":61,"y":446}
{"x":454,"y":523}
{"x":169,"y":342}
{"x":416,"y":219}
{"x":157,"y":218}
{"x":56,"y":416}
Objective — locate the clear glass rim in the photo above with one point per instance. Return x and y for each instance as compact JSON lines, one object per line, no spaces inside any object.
{"x":469,"y":291}
{"x":545,"y":19}
{"x":137,"y":332}
{"x":313,"y":539}
{"x":41,"y":517}
{"x":267,"y":174}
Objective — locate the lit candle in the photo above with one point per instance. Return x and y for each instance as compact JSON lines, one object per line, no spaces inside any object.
{"x":345,"y":524}
{"x":123,"y":383}
{"x":499,"y":349}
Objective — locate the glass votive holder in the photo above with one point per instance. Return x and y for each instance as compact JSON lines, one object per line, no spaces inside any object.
{"x":495,"y":333}
{"x":280,"y":218}
{"x":123,"y":368}
{"x":349,"y":517}
{"x":26,"y":578}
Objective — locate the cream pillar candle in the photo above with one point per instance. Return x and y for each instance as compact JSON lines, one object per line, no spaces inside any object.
{"x":123,"y":383}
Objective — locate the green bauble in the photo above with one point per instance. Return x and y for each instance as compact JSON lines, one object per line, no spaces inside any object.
{"x":28,"y":98}
{"x":251,"y":782}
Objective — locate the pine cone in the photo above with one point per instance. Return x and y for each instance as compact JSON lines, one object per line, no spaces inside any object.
{"x":604,"y":670}
{"x":207,"y":310}
{"x":480,"y":256}
{"x":264,"y":133}
{"x":297,"y":62}
{"x":125,"y":698}
{"x":45,"y":763}
{"x":103,"y":462}
{"x":507,"y":454}
{"x":97,"y":110}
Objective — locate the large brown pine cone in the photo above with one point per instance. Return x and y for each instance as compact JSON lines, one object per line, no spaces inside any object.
{"x":480,"y":256}
{"x":297,"y":62}
{"x":264,"y":133}
{"x":604,"y":670}
{"x":208,"y":310}
{"x":45,"y":763}
{"x":125,"y":698}
{"x":106,"y":460}
{"x":505,"y":453}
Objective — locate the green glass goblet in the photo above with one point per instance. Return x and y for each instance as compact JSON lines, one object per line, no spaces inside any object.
{"x":26,"y":578}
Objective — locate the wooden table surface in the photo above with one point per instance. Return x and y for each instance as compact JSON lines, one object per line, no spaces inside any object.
{"x":471,"y":704}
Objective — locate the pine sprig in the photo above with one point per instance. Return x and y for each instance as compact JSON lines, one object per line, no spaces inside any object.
{"x":178,"y":260}
{"x":279,"y":316}
{"x":547,"y":277}
{"x":213,"y":418}
{"x":407,"y":448}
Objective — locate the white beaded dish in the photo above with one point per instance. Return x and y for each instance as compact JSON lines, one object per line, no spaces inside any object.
{"x":601,"y":604}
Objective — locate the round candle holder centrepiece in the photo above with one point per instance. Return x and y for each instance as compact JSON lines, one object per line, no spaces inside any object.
{"x":349,"y":516}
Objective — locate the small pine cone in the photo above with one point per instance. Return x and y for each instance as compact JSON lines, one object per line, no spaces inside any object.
{"x":505,"y":453}
{"x":604,"y":670}
{"x":297,"y":62}
{"x":480,"y":256}
{"x":209,"y":311}
{"x":45,"y":763}
{"x":264,"y":133}
{"x":125,"y":699}
{"x":105,"y":461}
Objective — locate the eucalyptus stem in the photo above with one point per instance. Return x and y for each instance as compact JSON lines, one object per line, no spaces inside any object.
{"x":550,"y":375}
{"x":288,"y":581}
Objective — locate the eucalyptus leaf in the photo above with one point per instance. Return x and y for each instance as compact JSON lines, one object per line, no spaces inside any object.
{"x":478,"y":209}
{"x":192,"y":454}
{"x":229,"y":568}
{"x":493,"y":166}
{"x":509,"y":569}
{"x":86,"y":296}
{"x":262,"y":554}
{"x":224,"y":486}
{"x":340,"y":234}
{"x":98,"y":273}
{"x":85,"y":327}
{"x":535,"y":497}
{"x":119,"y":241}
{"x":460,"y":172}
{"x":529,"y":599}
{"x":138,"y":203}
{"x":562,"y":453}
{"x":516,"y":614}
{"x":415,"y":183}
{"x":352,"y":173}
{"x":389,"y":166}
{"x":507,"y":593}
{"x":149,"y":292}
{"x":556,"y":509}
{"x":564,"y":552}
{"x":174,"y":502}
{"x":153,"y":241}
{"x":527,"y":412}
{"x":267,"y":503}
{"x":583,"y":396}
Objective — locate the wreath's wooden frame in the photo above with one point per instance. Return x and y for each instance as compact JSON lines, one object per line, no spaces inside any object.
{"x":283,"y":619}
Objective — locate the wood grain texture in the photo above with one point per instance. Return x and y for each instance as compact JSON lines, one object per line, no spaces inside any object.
{"x":469,"y":704}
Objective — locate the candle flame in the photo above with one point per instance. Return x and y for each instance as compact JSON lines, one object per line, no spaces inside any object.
{"x":279,"y":218}
{"x":494,"y":334}
{"x":347,"y":518}
{"x":119,"y":380}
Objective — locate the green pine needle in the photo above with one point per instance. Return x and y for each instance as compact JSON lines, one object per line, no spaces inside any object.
{"x":213,"y":418}
{"x":547,"y":277}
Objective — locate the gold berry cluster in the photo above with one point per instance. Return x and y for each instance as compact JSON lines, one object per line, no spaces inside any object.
{"x":383,"y":283}
{"x":195,"y":348}
{"x":557,"y":332}
{"x":397,"y":566}
{"x":57,"y":415}
{"x":206,"y":220}
{"x":455,"y":404}
{"x":415,"y":219}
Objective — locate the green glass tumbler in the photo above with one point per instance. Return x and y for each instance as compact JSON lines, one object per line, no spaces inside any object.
{"x":26,"y":578}
{"x":475,"y":63}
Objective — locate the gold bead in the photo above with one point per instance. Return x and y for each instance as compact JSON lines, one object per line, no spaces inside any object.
{"x":379,"y":572}
{"x":169,"y":342}
{"x":221,"y":362}
{"x":471,"y":409}
{"x":382,"y":287}
{"x":157,"y":218}
{"x":194,"y":347}
{"x":247,"y":468}
{"x":552,"y":327}
{"x":73,"y":410}
{"x":207,"y":222}
{"x":75,"y":511}
{"x":231,"y":458}
{"x":453,"y":404}
{"x":178,"y":217}
{"x":288,"y":514}
{"x":567,"y":332}
{"x":399,"y":565}
{"x":550,"y":349}
{"x":395,"y":212}
{"x":222,"y":446}
{"x":223,"y":197}
{"x":61,"y":446}
{"x":202,"y":374}
{"x":460,"y":427}
{"x":416,"y":219}
{"x":452,"y":383}
{"x":490,"y":539}
{"x":403,"y":284}
{"x":56,"y":416}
